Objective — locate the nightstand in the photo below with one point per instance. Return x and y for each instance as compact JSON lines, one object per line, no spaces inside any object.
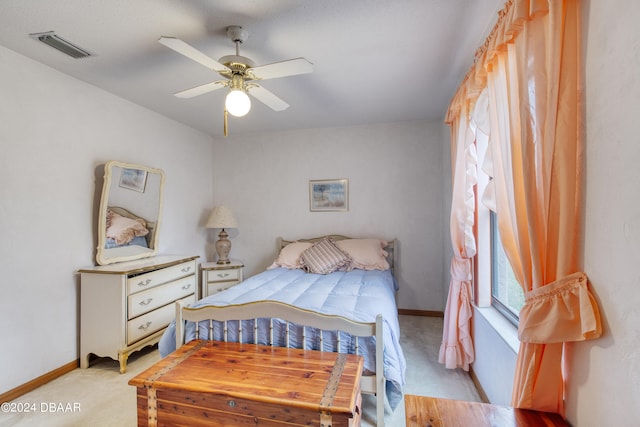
{"x":219,"y":277}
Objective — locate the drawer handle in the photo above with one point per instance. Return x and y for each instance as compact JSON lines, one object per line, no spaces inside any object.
{"x":185,"y":287}
{"x":144,"y":282}
{"x":145,"y":326}
{"x":223,"y":275}
{"x":146,"y":302}
{"x":186,"y":269}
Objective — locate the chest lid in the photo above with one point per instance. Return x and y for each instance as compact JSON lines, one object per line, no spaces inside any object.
{"x":307,"y":379}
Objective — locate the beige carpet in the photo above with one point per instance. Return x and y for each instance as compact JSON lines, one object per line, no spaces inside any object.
{"x":100,"y":396}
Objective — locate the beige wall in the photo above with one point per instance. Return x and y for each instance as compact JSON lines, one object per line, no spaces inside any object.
{"x":55,"y":132}
{"x":396,"y":175}
{"x":605,"y":378}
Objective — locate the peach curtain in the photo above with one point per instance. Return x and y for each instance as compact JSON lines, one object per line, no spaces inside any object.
{"x":456,"y":350}
{"x":531,"y":66}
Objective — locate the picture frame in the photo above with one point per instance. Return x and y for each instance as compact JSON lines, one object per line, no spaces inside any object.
{"x":133,"y":179}
{"x":329,"y":195}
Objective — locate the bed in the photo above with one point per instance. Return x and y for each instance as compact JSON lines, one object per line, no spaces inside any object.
{"x":350,"y":309}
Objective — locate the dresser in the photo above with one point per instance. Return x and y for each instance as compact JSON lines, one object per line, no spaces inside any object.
{"x":126,"y":306}
{"x":219,"y":277}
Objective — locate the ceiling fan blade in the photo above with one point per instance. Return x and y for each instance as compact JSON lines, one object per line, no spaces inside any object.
{"x":199,"y":90}
{"x":266,"y":97}
{"x":192,"y":53}
{"x":290,"y":67}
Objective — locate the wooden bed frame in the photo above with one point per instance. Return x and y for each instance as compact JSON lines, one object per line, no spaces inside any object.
{"x":371,"y":384}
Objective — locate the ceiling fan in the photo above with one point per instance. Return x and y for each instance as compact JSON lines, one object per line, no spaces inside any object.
{"x":240,"y":74}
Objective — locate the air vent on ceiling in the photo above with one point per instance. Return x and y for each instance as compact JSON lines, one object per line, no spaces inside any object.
{"x":52,"y":39}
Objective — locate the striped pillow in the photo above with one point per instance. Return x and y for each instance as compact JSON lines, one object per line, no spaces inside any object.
{"x":324,"y":257}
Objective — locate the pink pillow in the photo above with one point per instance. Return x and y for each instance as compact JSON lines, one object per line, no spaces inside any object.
{"x":289,"y":256}
{"x":366,"y":254}
{"x":123,"y":229}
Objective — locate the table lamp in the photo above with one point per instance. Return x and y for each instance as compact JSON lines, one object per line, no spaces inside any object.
{"x":221,"y":217}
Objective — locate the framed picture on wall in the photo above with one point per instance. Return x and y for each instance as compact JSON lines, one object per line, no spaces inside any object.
{"x":329,"y":195}
{"x":133,"y":179}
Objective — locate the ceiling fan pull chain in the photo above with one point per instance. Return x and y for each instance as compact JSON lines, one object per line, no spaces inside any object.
{"x":225,"y":122}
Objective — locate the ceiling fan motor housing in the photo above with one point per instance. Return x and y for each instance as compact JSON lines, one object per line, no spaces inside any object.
{"x":236,"y":63}
{"x":237,"y":34}
{"x":237,"y":66}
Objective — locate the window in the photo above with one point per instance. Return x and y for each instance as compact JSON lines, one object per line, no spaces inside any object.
{"x":496,"y":283}
{"x":506,"y":293}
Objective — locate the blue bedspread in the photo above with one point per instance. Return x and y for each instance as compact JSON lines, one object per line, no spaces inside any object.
{"x":359,"y":295}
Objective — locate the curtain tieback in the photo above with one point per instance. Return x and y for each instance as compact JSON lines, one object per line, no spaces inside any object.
{"x":460,"y":269}
{"x":561,"y":311}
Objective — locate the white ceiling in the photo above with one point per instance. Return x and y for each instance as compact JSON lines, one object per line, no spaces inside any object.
{"x":374,"y":60}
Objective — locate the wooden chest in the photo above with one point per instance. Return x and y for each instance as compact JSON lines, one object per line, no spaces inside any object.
{"x":229,"y":384}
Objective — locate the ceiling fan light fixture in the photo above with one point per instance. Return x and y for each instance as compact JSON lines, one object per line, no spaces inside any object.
{"x":237,"y":103}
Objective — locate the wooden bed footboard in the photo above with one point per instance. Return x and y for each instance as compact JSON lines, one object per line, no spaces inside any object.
{"x":372,"y":384}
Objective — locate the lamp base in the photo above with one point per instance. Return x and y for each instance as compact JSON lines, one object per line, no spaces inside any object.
{"x":223,"y":246}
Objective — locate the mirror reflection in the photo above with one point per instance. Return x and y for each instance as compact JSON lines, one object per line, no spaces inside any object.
{"x":130,"y":211}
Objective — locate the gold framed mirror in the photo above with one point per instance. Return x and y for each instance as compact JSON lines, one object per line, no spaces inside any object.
{"x":130,"y":212}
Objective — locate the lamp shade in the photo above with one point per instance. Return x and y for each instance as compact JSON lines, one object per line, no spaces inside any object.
{"x":221,"y":217}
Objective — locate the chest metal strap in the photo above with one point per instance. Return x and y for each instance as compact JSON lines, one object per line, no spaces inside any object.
{"x":152,"y":400}
{"x":330,"y":390}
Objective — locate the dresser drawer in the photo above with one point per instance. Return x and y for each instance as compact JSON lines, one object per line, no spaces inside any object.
{"x":143,"y":302}
{"x":149,"y":323}
{"x":148,"y":280}
{"x":223,"y":275}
